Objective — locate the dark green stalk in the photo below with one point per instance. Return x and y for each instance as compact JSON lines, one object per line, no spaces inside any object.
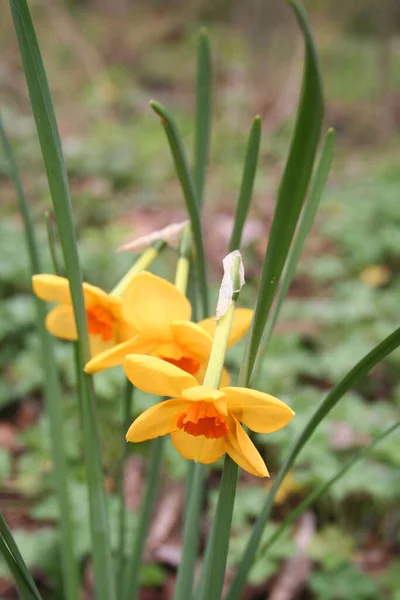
{"x":52,"y":393}
{"x":215,"y":569}
{"x":189,"y":193}
{"x":317,"y":493}
{"x":144,"y":516}
{"x":184,"y":581}
{"x":359,"y":370}
{"x":246,"y":189}
{"x":203,"y":114}
{"x":58,"y":183}
{"x":128,"y":409}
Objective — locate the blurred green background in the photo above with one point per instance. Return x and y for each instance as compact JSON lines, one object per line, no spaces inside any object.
{"x":105,"y":59}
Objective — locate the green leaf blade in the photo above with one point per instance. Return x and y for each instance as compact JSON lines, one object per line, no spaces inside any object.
{"x":359,"y":370}
{"x":247,"y":185}
{"x":292,"y":190}
{"x":203,"y":114}
{"x":306,"y":221}
{"x":189,"y":193}
{"x":58,"y":183}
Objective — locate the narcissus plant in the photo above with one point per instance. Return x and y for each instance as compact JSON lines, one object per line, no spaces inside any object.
{"x":204,"y":423}
{"x":160,"y":315}
{"x":106,"y":324}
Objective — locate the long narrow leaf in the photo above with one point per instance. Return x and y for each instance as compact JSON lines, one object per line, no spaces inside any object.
{"x":359,"y":370}
{"x":306,"y":221}
{"x":146,"y":509}
{"x":246,"y":189}
{"x":184,"y":581}
{"x":292,"y":190}
{"x":20,"y":572}
{"x":52,"y":394}
{"x":57,"y":178}
{"x":317,"y":493}
{"x":291,"y":194}
{"x":203,"y":114}
{"x":189,"y":193}
{"x":23,"y":588}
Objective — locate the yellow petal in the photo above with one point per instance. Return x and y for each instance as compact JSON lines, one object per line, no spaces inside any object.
{"x":225,"y":378}
{"x":151,"y":304}
{"x":260,"y":412}
{"x":241,"y":322}
{"x":99,"y":346}
{"x":156,"y":421}
{"x":198,"y":448}
{"x":61,"y":322}
{"x":242,"y":450}
{"x":52,"y":288}
{"x":192,"y":337}
{"x":204,"y":394}
{"x":116,"y":355}
{"x":194,"y":394}
{"x":157,"y":376}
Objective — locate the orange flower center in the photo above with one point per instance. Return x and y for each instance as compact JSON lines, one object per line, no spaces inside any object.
{"x":202,"y":418}
{"x":100,"y":321}
{"x":186,"y":363}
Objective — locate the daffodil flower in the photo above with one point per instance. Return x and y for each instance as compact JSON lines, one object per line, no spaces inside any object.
{"x":160,"y":314}
{"x":106,"y":324}
{"x":204,"y":423}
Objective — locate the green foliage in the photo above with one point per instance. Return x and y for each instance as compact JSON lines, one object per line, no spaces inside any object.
{"x":346,"y":583}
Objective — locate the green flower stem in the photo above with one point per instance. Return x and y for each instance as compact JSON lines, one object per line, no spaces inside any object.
{"x":131,"y":588}
{"x":317,"y":493}
{"x":142,"y":263}
{"x":50,"y":143}
{"x":183,"y":265}
{"x":52,"y":394}
{"x":121,"y":558}
{"x":212,"y":379}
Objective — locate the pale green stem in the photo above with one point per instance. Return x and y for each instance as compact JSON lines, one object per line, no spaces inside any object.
{"x":142,"y":263}
{"x":212,"y":379}
{"x":131,"y":587}
{"x":183,"y":265}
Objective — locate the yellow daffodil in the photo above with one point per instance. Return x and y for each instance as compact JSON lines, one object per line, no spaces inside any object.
{"x":204,"y":423}
{"x":160,"y":314}
{"x":106,"y":324}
